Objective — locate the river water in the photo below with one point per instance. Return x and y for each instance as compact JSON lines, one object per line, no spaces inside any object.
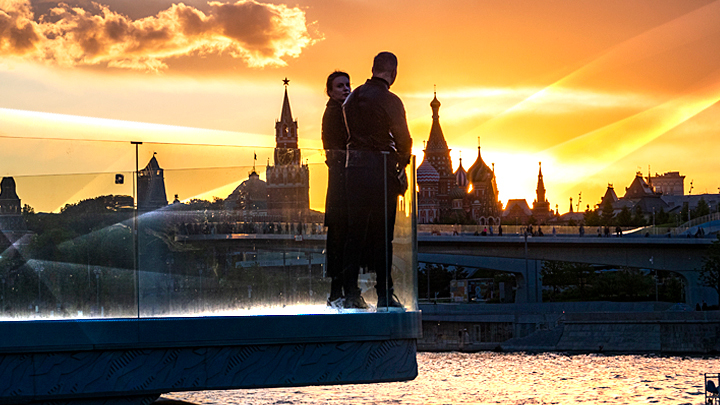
{"x":505,"y":378}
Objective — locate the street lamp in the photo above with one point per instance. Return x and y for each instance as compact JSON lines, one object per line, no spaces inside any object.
{"x":38,"y":270}
{"x":97,"y":288}
{"x":654,"y":230}
{"x":3,"y":295}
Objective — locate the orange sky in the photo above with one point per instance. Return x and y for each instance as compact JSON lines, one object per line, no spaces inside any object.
{"x":594,"y":90}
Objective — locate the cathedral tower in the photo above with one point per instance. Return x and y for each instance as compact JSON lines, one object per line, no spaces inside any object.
{"x":485,"y":207}
{"x":438,"y":154}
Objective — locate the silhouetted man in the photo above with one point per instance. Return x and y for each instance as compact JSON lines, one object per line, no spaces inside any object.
{"x":379,"y":147}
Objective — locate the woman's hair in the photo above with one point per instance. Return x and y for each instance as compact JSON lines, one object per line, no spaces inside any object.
{"x":334,"y":75}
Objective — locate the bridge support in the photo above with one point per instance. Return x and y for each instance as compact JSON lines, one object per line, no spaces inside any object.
{"x":695,"y":291}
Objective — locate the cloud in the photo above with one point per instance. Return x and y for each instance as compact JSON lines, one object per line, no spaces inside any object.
{"x":257,"y":33}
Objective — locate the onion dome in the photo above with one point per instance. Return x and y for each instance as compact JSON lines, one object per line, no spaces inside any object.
{"x":435,"y":104}
{"x":479,"y":171}
{"x":436,"y":140}
{"x":461,"y":178}
{"x":457,"y":193}
{"x":426,"y":173}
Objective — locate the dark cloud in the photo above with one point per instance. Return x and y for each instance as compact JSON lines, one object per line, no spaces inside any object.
{"x":79,"y":34}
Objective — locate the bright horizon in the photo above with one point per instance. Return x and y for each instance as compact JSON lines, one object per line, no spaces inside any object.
{"x":596,"y":91}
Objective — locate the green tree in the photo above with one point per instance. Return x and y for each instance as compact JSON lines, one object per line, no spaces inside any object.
{"x":710,"y":270}
{"x":684,"y":213}
{"x":702,"y":208}
{"x":662,"y":217}
{"x":592,"y":218}
{"x":607,"y":213}
{"x":196,"y":204}
{"x":624,"y":218}
{"x":638,"y":218}
{"x":569,"y":281}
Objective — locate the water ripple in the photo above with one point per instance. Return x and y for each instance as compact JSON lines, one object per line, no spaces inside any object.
{"x":504,"y":378}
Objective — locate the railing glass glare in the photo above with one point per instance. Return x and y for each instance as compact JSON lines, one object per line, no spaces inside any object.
{"x":217,"y":230}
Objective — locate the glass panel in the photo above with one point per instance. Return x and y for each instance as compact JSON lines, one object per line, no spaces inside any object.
{"x":244,"y":240}
{"x":405,"y":244}
{"x":66,"y":243}
{"x":221,"y":230}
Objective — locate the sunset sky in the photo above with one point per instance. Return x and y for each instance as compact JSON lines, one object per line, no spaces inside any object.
{"x":596,"y":90}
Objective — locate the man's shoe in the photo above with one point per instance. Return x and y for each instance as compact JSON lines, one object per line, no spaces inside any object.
{"x":389,"y":302}
{"x":336,"y":304}
{"x":357,"y":302}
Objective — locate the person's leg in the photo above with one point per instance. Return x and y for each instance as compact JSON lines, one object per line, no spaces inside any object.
{"x":384,"y":231}
{"x":358,"y":216}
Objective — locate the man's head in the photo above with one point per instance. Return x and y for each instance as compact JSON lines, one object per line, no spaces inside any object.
{"x":385,"y":66}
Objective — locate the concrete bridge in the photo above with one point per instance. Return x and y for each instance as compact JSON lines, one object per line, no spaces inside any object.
{"x":520,"y":256}
{"x":523,"y":257}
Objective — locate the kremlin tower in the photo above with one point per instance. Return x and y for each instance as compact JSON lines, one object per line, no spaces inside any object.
{"x":288,"y":180}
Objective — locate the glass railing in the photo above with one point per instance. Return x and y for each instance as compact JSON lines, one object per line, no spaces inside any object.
{"x":217,"y":230}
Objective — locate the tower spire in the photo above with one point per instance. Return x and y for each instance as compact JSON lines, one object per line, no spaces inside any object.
{"x":540,"y":185}
{"x":286,"y":136}
{"x":286,"y":113}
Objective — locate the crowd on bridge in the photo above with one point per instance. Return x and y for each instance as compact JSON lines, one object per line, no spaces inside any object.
{"x":250,"y":227}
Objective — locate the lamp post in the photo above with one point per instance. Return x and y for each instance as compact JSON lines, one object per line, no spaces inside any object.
{"x":3,"y":290}
{"x":136,"y":280}
{"x":654,"y":230}
{"x":309,"y":257}
{"x":38,"y":270}
{"x":527,"y":275}
{"x":97,"y":288}
{"x":171,"y":284}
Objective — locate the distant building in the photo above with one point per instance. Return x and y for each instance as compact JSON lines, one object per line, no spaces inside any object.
{"x":517,"y":211}
{"x":13,"y":229}
{"x":483,"y":197}
{"x":151,"y":187}
{"x":428,"y":202}
{"x":654,"y":194}
{"x":669,"y":183}
{"x":438,"y":154}
{"x":609,"y":196}
{"x":541,"y":207}
{"x":285,"y":194}
{"x":250,"y":197}
{"x":460,"y":197}
{"x":639,"y":188}
{"x":639,"y":195}
{"x":288,"y":179}
{"x":11,"y":218}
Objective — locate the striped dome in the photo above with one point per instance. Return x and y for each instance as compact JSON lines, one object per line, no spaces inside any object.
{"x":426,"y":173}
{"x":461,"y":179}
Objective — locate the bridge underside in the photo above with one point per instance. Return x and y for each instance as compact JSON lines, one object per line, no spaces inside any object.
{"x":133,"y":361}
{"x":681,"y":256}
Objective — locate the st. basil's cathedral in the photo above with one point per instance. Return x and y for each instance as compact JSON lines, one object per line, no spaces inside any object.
{"x":460,"y":197}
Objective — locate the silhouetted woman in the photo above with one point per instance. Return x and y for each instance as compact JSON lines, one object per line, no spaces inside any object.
{"x":334,"y":137}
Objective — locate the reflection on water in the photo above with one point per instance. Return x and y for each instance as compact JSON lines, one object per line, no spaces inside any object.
{"x":499,"y":378}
